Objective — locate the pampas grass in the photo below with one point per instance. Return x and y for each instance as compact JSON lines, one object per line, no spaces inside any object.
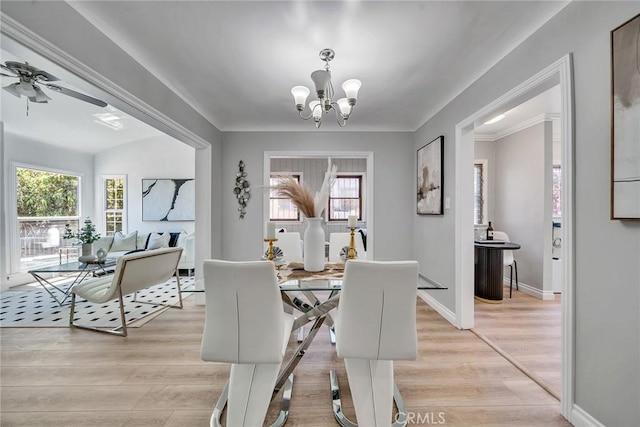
{"x":300,"y":194}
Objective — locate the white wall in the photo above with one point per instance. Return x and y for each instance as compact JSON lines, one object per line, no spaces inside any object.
{"x":23,"y":151}
{"x":157,"y":157}
{"x":519,"y":198}
{"x":394,"y":195}
{"x":607,"y":272}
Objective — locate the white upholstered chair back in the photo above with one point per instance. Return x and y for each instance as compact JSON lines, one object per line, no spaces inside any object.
{"x":507,"y":256}
{"x":337,"y":241}
{"x":377,"y":310}
{"x":244,"y":318}
{"x":140,"y":270}
{"x":291,"y":246}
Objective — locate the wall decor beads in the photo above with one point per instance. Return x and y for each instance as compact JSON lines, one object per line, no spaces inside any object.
{"x":242,"y":189}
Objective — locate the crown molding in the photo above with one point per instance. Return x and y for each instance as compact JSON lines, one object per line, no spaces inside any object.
{"x":546,"y":117}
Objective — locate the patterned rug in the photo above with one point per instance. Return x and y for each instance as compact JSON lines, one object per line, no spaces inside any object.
{"x":35,"y":308}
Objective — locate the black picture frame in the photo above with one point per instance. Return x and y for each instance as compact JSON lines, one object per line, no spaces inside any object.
{"x":625,"y":116}
{"x":430,"y":178}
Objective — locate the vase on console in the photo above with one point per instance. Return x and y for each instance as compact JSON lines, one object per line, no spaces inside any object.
{"x":314,"y":245}
{"x":87,"y":249}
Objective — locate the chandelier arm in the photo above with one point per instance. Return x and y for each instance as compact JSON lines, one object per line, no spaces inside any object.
{"x":339,"y":116}
{"x":303,"y":117}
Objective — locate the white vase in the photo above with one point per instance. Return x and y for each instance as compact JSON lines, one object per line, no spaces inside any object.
{"x":86,"y":256}
{"x":314,"y":245}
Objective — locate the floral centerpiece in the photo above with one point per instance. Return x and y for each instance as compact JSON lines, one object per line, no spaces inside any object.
{"x":85,"y":235}
{"x":311,"y":207}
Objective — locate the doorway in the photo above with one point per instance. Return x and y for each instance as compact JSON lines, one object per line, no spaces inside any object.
{"x":558,"y":73}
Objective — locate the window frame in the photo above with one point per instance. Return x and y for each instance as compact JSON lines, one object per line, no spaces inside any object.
{"x":124,"y":209}
{"x":272,"y":175}
{"x":361,"y":198}
{"x":485,"y":185}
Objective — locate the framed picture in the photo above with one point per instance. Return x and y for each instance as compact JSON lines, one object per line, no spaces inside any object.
{"x":430,"y":164}
{"x":625,"y":120}
{"x":168,"y":199}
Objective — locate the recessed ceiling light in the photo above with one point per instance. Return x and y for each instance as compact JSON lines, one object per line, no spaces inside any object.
{"x":495,"y":119}
{"x":109,"y":120}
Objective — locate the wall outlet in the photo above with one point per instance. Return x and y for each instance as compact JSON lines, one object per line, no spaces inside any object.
{"x":447,"y":202}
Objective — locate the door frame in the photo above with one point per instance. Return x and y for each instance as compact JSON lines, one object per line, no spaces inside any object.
{"x":560,"y":72}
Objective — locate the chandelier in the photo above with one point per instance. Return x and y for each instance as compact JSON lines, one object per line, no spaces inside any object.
{"x":324,"y":91}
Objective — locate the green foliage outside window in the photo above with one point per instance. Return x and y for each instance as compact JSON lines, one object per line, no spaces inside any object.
{"x":46,"y":194}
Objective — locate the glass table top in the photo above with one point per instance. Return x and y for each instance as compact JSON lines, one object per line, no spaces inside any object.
{"x":71,"y":267}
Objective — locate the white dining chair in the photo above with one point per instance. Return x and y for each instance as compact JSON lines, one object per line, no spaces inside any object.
{"x":291,"y":245}
{"x":245,"y":325}
{"x":337,"y":241}
{"x":375,"y":325}
{"x":507,"y":259}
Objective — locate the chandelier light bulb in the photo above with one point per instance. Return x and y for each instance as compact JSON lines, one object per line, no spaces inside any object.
{"x":321,"y":80}
{"x":345,"y":107}
{"x":300,"y":94}
{"x":351,"y":88}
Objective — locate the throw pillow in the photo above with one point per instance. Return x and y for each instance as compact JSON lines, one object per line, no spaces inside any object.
{"x":157,"y":241}
{"x":124,"y":243}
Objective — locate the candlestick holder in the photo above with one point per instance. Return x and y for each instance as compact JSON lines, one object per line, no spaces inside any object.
{"x":352,"y":254}
{"x":270,"y":255}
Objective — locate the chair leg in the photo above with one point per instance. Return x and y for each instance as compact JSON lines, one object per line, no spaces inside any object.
{"x":510,"y":279}
{"x":120,"y":330}
{"x":400,"y":418}
{"x":515,"y":265}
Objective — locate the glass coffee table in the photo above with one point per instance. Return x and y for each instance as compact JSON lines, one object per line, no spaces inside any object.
{"x":81,"y":269}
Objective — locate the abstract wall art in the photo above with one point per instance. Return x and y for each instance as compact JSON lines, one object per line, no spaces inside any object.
{"x":168,"y":199}
{"x":430,"y":162}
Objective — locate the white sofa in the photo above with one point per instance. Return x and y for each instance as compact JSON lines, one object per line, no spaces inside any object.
{"x":119,"y":245}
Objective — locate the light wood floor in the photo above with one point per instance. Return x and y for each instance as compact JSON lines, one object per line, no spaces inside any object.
{"x":527,"y":328}
{"x":154,"y":377}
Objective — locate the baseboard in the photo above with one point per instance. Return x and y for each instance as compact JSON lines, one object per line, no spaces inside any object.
{"x":580,"y":418}
{"x":437,"y":306}
{"x":530,"y":290}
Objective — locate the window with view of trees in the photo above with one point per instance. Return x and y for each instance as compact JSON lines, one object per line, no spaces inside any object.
{"x":281,"y":208}
{"x":45,"y":202}
{"x":479,"y":192}
{"x":557,"y":191}
{"x":345,"y":198}
{"x":114,"y":204}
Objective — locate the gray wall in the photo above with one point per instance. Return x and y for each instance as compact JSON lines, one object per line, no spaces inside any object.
{"x":519,"y":198}
{"x":394,"y":200}
{"x":607,"y":253}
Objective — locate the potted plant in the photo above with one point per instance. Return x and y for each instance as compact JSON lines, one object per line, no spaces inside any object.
{"x":85,"y":235}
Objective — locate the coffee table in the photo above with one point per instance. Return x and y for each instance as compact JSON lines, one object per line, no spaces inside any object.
{"x":81,"y":269}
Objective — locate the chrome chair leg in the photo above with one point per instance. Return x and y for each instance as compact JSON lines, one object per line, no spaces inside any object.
{"x":218,"y":409}
{"x":400,"y":418}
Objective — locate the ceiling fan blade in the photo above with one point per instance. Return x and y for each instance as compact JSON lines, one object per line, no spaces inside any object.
{"x":77,"y":95}
{"x":7,"y":75}
{"x":4,"y":67}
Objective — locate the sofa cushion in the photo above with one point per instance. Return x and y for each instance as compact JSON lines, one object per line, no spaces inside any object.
{"x":157,"y":241}
{"x":124,"y":243}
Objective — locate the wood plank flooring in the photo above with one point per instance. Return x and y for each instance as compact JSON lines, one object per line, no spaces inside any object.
{"x":527,"y":328}
{"x":154,"y":377}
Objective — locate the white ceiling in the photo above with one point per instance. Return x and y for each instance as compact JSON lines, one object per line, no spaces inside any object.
{"x":236,"y":61}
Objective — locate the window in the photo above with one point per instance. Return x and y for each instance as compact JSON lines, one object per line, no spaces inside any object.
{"x":281,"y":208}
{"x":557,"y":191}
{"x":114,"y":204}
{"x":479,"y":192}
{"x":345,"y":198}
{"x":45,"y":202}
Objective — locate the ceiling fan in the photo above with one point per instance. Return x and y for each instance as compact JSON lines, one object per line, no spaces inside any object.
{"x":30,"y":81}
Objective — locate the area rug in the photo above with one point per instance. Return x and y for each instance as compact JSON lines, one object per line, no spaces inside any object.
{"x":35,"y":308}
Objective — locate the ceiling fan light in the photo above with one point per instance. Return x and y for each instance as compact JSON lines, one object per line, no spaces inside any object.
{"x":321,"y":81}
{"x":26,"y":89}
{"x":12,"y":89}
{"x":351,"y":88}
{"x":345,"y":107}
{"x":40,"y":95}
{"x":300,"y":94}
